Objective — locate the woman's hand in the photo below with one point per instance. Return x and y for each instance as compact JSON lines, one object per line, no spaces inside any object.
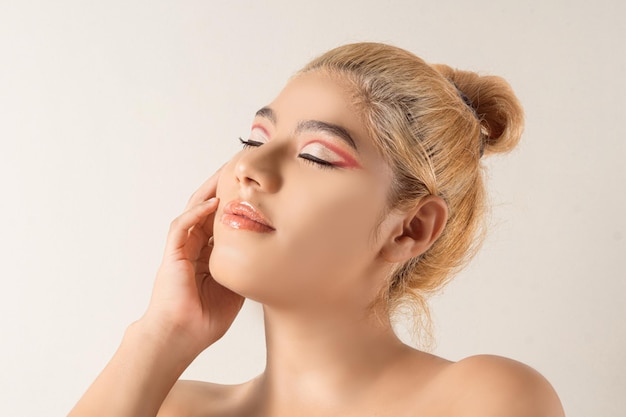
{"x":188,"y":312}
{"x":186,"y":300}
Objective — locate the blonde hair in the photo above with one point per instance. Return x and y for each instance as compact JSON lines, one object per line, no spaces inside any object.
{"x":432,"y":123}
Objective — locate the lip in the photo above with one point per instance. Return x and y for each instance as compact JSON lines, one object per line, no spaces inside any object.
{"x":239,"y":214}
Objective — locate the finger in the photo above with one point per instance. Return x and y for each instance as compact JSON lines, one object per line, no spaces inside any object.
{"x":180,"y":228}
{"x":196,"y":240}
{"x":206,"y":190}
{"x":202,"y":261}
{"x":200,"y":235}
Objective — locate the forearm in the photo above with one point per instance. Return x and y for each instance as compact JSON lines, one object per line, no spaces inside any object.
{"x":139,"y":376}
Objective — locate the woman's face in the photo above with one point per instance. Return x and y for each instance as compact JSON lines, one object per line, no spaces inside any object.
{"x":300,"y":204}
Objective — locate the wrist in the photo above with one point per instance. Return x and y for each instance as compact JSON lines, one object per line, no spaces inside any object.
{"x":165,"y":340}
{"x":140,"y":374}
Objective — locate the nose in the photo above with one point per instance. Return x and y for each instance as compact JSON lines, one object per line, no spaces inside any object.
{"x":259,"y":168}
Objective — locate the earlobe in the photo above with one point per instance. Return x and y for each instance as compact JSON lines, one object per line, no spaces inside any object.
{"x":416,"y":230}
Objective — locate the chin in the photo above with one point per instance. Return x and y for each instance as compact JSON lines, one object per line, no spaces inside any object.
{"x":236,"y":273}
{"x":224,"y":270}
{"x":255,"y":278}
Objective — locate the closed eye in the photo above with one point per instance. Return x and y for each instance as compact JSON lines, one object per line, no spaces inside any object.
{"x":250,"y":143}
{"x":316,"y":161}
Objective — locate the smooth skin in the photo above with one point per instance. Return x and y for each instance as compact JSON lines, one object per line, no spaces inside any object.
{"x":317,"y":274}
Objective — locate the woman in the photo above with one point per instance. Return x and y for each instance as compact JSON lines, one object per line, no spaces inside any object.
{"x":359,"y":189}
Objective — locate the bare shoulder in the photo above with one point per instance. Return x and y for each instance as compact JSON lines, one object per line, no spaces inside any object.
{"x":487,"y":385}
{"x":196,"y":398}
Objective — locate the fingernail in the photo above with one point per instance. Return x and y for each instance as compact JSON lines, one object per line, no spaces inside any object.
{"x":210,"y":200}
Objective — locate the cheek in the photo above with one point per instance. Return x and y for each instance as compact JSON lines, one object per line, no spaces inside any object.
{"x":332,"y":226}
{"x":332,"y":249}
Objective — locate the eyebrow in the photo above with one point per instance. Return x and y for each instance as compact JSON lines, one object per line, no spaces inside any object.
{"x":332,"y":129}
{"x":267,"y":113}
{"x":312,"y":125}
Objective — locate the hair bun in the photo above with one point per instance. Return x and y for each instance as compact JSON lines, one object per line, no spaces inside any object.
{"x":500,"y":113}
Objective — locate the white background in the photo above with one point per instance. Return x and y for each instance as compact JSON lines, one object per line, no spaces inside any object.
{"x":113,"y":112}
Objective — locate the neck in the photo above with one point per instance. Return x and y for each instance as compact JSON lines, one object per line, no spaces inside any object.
{"x":324,"y":357}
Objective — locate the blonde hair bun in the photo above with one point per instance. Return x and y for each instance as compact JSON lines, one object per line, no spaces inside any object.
{"x":491,"y":97}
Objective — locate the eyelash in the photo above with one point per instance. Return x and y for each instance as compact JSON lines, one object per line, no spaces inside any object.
{"x":250,"y":143}
{"x":320,"y":163}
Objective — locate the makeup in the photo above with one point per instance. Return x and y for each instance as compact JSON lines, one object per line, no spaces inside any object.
{"x":261,"y":128}
{"x":347,"y":161}
{"x":242,"y":215}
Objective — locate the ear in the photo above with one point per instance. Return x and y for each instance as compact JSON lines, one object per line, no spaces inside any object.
{"x":415,"y":231}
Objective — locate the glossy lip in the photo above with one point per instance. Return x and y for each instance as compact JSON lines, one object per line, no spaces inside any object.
{"x":240,"y":214}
